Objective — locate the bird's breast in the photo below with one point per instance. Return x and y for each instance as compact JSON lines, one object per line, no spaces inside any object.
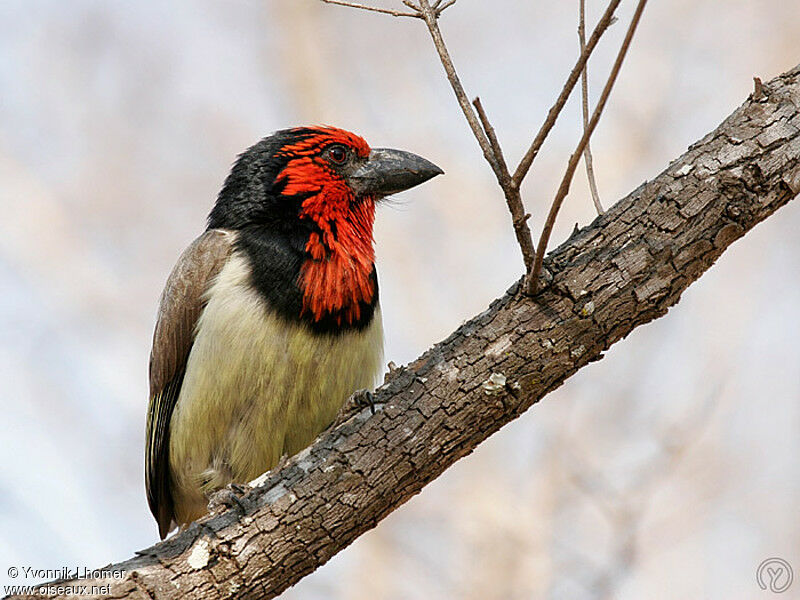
{"x":258,"y":385}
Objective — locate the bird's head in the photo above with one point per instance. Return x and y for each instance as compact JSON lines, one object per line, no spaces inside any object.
{"x":313,"y":174}
{"x":317,"y":187}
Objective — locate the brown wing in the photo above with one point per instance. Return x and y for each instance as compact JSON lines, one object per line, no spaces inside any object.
{"x":181,"y":304}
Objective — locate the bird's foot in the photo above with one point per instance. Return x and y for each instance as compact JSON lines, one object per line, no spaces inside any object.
{"x":228,"y":497}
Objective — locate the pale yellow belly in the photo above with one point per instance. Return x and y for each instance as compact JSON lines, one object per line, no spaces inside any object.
{"x":257,"y":387}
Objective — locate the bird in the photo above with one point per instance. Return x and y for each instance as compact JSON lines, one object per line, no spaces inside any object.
{"x":270,"y":320}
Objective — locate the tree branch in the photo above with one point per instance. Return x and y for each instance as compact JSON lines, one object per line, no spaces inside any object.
{"x":622,"y":271}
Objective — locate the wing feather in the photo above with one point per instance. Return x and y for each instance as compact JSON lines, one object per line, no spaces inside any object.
{"x":181,"y":304}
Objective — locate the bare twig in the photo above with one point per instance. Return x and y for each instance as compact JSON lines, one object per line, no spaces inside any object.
{"x":527,"y":160}
{"x":563,"y":189}
{"x":429,"y":11}
{"x":385,"y":11}
{"x":490,"y":133}
{"x":440,"y":7}
{"x":587,"y":153}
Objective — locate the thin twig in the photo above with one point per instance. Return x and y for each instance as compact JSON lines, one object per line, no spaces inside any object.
{"x":439,"y":7}
{"x":587,"y":153}
{"x":490,"y":133}
{"x":525,"y":164}
{"x":385,"y":11}
{"x":563,"y":189}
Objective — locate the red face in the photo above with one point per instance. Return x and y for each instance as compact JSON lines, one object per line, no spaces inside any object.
{"x":336,"y":276}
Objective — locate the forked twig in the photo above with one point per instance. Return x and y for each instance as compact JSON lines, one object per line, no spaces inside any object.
{"x":483,"y":132}
{"x":430,"y":11}
{"x":587,"y":153}
{"x":478,"y":123}
{"x":563,"y":189}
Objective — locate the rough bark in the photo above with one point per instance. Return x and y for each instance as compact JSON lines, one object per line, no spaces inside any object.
{"x":625,"y":269}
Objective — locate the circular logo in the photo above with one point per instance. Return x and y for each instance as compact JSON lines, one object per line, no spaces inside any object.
{"x":775,"y":575}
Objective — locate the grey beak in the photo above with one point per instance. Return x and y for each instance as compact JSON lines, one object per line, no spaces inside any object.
{"x":390,"y":171}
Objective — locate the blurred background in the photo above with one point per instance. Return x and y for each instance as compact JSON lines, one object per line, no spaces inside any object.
{"x":669,"y":469}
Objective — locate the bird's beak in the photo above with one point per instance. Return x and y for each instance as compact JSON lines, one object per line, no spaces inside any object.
{"x":390,"y":171}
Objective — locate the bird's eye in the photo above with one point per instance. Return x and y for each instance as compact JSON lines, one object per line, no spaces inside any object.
{"x":337,"y":153}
